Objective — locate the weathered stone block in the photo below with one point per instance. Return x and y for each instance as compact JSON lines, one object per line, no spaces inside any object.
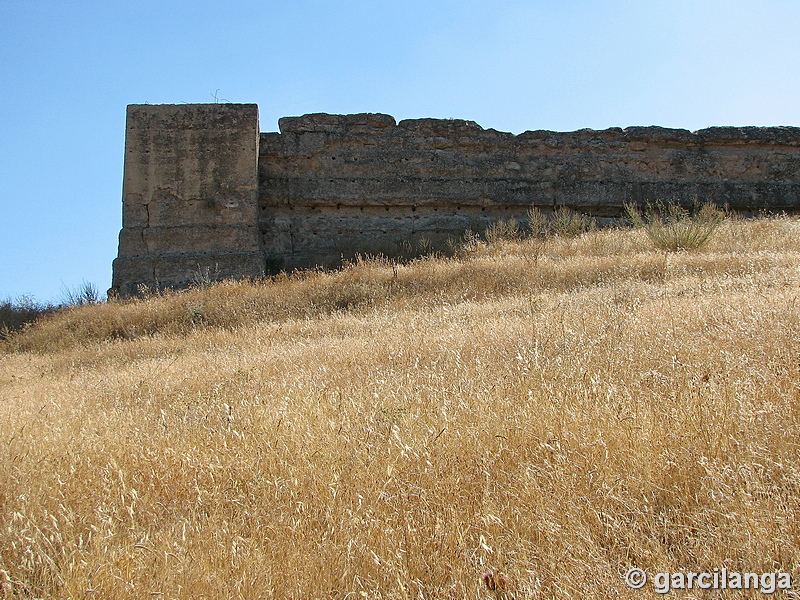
{"x":182,"y":270}
{"x":338,"y":124}
{"x":206,"y":153}
{"x":130,"y":272}
{"x":190,"y":184}
{"x":188,"y":239}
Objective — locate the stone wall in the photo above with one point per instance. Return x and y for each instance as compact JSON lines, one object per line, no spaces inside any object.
{"x":189,"y":195}
{"x":204,"y":190}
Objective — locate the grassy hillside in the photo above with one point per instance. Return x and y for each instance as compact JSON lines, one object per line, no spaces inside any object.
{"x":559,"y":410}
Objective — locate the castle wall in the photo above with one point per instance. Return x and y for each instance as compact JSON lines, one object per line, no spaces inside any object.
{"x":337,"y":185}
{"x":190,"y":195}
{"x":202,"y":188}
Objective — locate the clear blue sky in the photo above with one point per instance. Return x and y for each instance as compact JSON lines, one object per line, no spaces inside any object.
{"x":69,"y":68}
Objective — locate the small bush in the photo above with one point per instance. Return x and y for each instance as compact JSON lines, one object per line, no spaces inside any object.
{"x":568,"y":223}
{"x":563,"y":222}
{"x":15,"y":315}
{"x":538,"y":223}
{"x":410,"y":250}
{"x":504,"y":229}
{"x":85,"y":293}
{"x":672,"y":227}
{"x":205,"y":277}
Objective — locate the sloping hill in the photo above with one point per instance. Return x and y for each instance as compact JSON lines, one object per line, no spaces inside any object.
{"x":559,"y":410}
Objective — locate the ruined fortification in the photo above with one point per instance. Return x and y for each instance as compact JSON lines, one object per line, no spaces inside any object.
{"x":205,"y":191}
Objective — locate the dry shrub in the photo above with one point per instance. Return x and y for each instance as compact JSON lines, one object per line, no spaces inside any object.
{"x":503,"y":230}
{"x":673,"y":227}
{"x":562,"y":222}
{"x":15,"y":315}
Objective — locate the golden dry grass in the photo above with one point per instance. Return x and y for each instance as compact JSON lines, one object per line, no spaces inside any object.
{"x":558,"y":411}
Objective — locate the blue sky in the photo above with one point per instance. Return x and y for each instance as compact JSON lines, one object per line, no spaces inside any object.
{"x":69,"y":68}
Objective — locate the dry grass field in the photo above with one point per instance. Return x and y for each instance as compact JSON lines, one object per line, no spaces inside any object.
{"x":559,"y":410}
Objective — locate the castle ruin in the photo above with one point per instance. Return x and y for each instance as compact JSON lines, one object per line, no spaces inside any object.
{"x":205,"y":191}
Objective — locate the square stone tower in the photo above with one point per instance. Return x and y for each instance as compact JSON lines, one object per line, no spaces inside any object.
{"x":190,"y":196}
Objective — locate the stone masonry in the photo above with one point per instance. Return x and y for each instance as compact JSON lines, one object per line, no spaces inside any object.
{"x":189,"y":195}
{"x":205,"y":193}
